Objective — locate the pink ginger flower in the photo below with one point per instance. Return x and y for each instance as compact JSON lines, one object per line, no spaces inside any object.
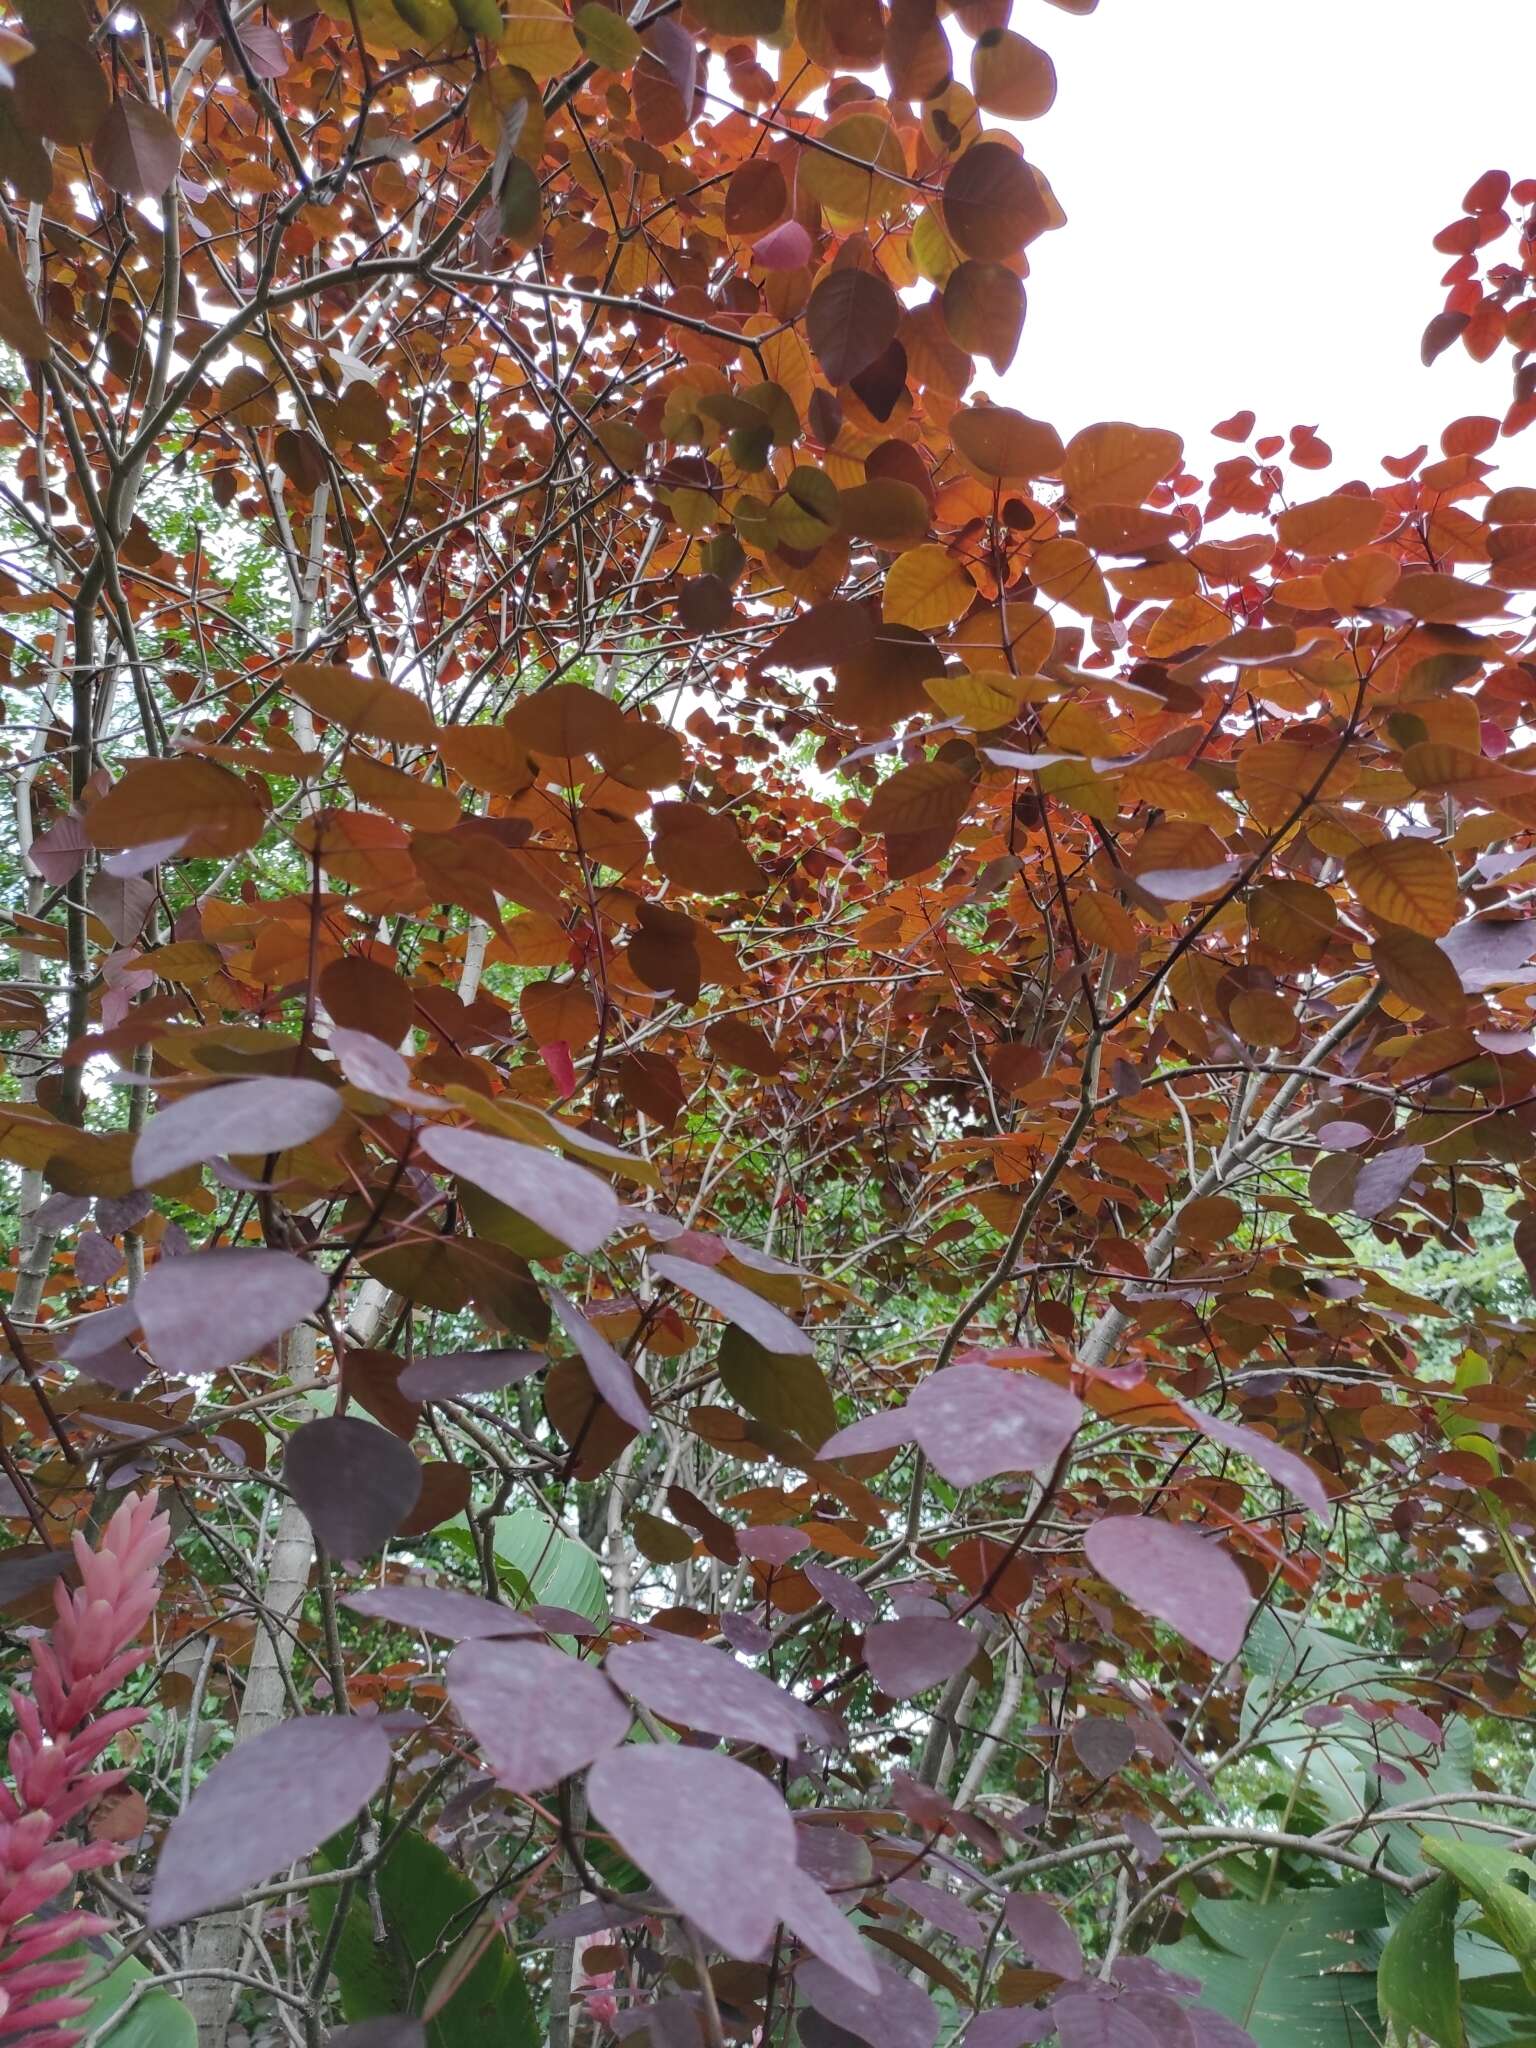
{"x":57,"y":1741}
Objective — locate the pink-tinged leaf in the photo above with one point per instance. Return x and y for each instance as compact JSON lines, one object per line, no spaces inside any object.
{"x":1384,"y":1179}
{"x":241,"y":1117}
{"x":59,"y":853}
{"x":897,"y":2014}
{"x":844,"y":1595}
{"x":377,"y":1068}
{"x":714,"y":1838}
{"x":537,"y":1713}
{"x":611,"y":1375}
{"x":355,"y":1482}
{"x":1103,"y":1746}
{"x":138,"y":860}
{"x":262,"y":1807}
{"x":764,"y":1323}
{"x":907,"y":1657}
{"x":566,"y":1202}
{"x":975,"y":1422}
{"x":1283,"y":1466}
{"x":786,"y":247}
{"x":771,"y":1545}
{"x":1099,"y":2020}
{"x":809,"y":1913}
{"x":707,"y":1689}
{"x":219,"y":1308}
{"x":267,"y":57}
{"x":440,"y":1611}
{"x":562,"y":1068}
{"x":1189,"y":885}
{"x":1174,"y":1573}
{"x":1037,"y":1924}
{"x":122,"y":904}
{"x":886,"y":1430}
{"x":95,"y":1335}
{"x":459,"y":1375}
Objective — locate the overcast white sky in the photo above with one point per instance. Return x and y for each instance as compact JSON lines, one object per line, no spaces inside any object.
{"x":1251,"y":190}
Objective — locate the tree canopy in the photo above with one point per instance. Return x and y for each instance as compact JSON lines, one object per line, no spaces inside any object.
{"x":793,"y":1119}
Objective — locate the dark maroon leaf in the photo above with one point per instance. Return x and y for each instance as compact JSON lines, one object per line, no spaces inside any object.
{"x":537,"y":1713}
{"x":262,"y":1807}
{"x":440,"y":1611}
{"x":136,"y":149}
{"x":1491,"y":952}
{"x":355,"y":1482}
{"x":1104,"y":1747}
{"x":1215,"y":2030}
{"x":1010,"y":2026}
{"x":907,"y":1657}
{"x":707,"y":1689}
{"x":571,"y":1205}
{"x":219,"y":1308}
{"x":1172,"y":1571}
{"x":458,"y":1375}
{"x":728,"y":1870}
{"x":941,"y":1909}
{"x":25,"y":1568}
{"x":897,"y":2014}
{"x":246,"y":1117}
{"x":613,"y":1378}
{"x":850,"y":319}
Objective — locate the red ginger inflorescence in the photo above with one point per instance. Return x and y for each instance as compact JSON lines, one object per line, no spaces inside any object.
{"x":58,"y":1738}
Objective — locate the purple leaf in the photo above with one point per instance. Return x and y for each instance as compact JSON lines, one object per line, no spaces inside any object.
{"x":537,"y":1713}
{"x":886,"y":1430}
{"x":1089,"y":2020}
{"x":715,"y":1838}
{"x":391,"y":2031}
{"x":566,"y":1202}
{"x":355,"y":1482}
{"x":1383,"y":1180}
{"x":1011,"y":2026}
{"x":764,"y":1323}
{"x":440,"y":1611}
{"x":707,"y":1689}
{"x":97,"y":1259}
{"x":1103,"y":1746}
{"x":218,"y":1308}
{"x":1490,"y":952}
{"x":613,"y":1378}
{"x":122,"y":904}
{"x":837,"y":1858}
{"x":1164,"y":2019}
{"x":1145,"y":1839}
{"x":907,"y":1657}
{"x":810,"y":1914}
{"x":1215,"y":2030}
{"x":1038,"y":1925}
{"x":1283,"y":1466}
{"x":119,"y":1366}
{"x":244,"y":1117}
{"x":899,"y":2014}
{"x":975,"y":1422}
{"x":262,"y":1807}
{"x":844,"y":1595}
{"x":102,"y":1332}
{"x":940,"y":1909}
{"x":459,"y":1375}
{"x":59,"y":853}
{"x":125,"y":1212}
{"x":265,"y":54}
{"x":1189,"y":885}
{"x":23,"y":1570}
{"x":1171,"y":1571}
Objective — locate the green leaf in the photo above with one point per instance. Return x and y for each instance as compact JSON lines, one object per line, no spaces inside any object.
{"x":1281,"y":1970}
{"x":559,"y":1571}
{"x":427,"y":1907}
{"x":1509,"y":1915}
{"x":1416,"y":1982}
{"x":156,"y":2020}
